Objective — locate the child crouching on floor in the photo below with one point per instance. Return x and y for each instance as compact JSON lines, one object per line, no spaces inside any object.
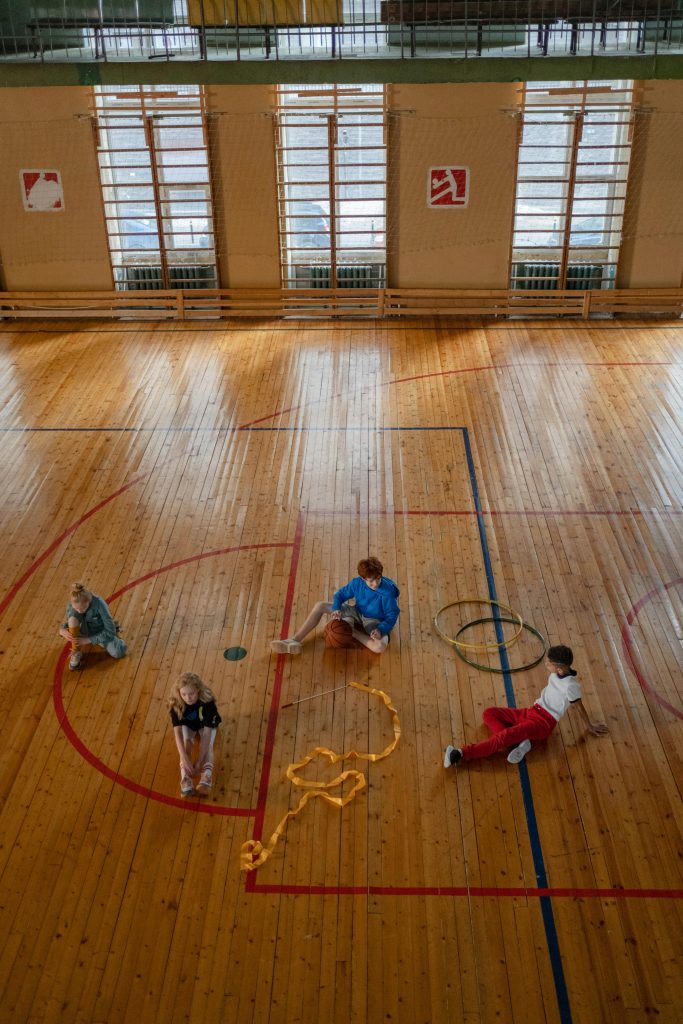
{"x":195,"y":718}
{"x":518,"y":727}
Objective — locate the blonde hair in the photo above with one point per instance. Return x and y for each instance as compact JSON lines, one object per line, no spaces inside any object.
{"x":79,"y":592}
{"x":176,"y":702}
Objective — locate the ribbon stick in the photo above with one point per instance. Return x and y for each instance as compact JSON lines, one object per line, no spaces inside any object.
{"x":253,"y":853}
{"x":313,"y":696}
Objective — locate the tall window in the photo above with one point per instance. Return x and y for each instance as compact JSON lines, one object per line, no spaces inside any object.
{"x":154,"y":170}
{"x":571,"y":184}
{"x":331,"y":151}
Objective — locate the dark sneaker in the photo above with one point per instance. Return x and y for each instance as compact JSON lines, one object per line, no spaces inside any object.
{"x":451,"y":756}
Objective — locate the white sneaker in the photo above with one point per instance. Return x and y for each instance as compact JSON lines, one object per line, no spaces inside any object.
{"x":285,"y":646}
{"x":520,"y":752}
{"x":205,"y":782}
{"x":186,"y":785}
{"x":75,"y":660}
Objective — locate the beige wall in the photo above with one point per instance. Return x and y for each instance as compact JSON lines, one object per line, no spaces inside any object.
{"x":241,"y":130}
{"x":42,"y":129}
{"x":429,"y":125}
{"x":652,"y":247}
{"x":461,"y":125}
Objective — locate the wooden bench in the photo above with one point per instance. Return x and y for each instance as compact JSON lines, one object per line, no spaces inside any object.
{"x":267,"y":15}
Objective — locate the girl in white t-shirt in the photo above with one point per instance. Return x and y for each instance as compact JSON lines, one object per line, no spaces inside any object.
{"x":517,"y":727}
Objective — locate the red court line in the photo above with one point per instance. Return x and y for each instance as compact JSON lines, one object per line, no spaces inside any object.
{"x":627,"y":643}
{"x":451,"y":373}
{"x":121,"y":780}
{"x":251,"y":883}
{"x":269,"y":744}
{"x":278,"y":681}
{"x":9,"y":597}
{"x":470,"y":891}
{"x":195,"y":558}
{"x":92,"y":759}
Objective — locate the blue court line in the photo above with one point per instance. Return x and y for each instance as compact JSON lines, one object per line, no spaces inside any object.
{"x":529,"y":809}
{"x":527,"y":796}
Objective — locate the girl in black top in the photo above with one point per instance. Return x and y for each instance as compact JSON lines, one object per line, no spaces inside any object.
{"x":194,"y":716}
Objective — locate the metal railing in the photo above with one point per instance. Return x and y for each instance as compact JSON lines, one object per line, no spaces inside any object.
{"x":128,"y":30}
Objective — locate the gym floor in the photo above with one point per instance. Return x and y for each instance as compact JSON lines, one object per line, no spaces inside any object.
{"x":212,"y":481}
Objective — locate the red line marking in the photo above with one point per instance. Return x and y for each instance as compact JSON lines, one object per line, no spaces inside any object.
{"x":281,"y":412}
{"x":627,"y":643}
{"x":87,"y":754}
{"x":110,"y":773}
{"x":470,"y":891}
{"x":269,"y":745}
{"x":9,"y":597}
{"x":195,"y":558}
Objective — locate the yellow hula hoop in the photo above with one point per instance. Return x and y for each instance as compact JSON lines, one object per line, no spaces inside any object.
{"x":494,"y":645}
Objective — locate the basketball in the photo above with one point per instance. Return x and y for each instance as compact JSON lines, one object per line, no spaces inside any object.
{"x":338,"y":634}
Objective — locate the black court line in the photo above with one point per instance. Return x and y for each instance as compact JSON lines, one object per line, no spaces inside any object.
{"x":209,"y":430}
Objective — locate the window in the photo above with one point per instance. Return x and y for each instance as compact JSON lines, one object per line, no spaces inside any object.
{"x":331,"y":152}
{"x":571,"y":184}
{"x":154,"y":171}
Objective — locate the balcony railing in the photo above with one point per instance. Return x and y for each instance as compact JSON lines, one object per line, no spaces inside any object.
{"x":125,"y":30}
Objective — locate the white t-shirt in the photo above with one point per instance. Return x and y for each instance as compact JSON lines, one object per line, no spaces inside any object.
{"x":560,"y":692}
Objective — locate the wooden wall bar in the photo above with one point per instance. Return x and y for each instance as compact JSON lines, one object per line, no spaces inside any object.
{"x":367,"y":303}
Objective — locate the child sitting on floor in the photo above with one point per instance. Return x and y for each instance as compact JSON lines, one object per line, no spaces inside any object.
{"x":517,"y":727}
{"x":195,"y":718}
{"x":89,"y":624}
{"x":371,"y":618}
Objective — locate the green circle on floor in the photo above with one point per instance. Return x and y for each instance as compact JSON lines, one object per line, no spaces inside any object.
{"x":234,"y":653}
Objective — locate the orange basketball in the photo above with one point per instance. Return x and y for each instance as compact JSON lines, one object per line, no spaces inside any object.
{"x":338,"y":634}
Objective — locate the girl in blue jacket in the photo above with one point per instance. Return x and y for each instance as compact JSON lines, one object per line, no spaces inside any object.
{"x":372,"y":617}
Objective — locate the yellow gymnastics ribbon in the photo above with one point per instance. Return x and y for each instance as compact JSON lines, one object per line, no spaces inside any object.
{"x":253,"y":854}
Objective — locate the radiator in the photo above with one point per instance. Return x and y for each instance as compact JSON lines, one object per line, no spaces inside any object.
{"x":526,"y":276}
{"x":585,"y":275}
{"x":352,"y":276}
{"x":145,"y":278}
{"x":370,"y":276}
{"x":580,"y":276}
{"x":192,"y":277}
{"x":139,"y":279}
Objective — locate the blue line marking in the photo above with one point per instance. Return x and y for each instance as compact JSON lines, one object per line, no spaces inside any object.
{"x":527,"y":796}
{"x":530,"y":812}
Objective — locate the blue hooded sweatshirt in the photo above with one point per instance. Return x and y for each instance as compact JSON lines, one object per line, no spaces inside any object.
{"x":380,"y":604}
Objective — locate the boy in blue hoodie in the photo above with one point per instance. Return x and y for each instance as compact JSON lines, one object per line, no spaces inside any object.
{"x":372,"y":617}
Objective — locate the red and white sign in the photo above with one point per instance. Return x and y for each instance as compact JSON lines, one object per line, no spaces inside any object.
{"x":41,"y":191}
{"x":448,"y":187}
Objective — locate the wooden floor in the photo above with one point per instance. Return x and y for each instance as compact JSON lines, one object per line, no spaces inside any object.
{"x":213,"y":480}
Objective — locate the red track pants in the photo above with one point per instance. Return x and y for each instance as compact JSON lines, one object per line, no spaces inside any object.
{"x":509,"y":727}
